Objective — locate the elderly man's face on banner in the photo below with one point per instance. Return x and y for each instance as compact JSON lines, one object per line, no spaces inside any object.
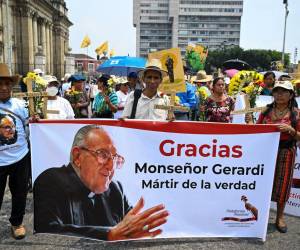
{"x":95,"y":161}
{"x":7,"y":128}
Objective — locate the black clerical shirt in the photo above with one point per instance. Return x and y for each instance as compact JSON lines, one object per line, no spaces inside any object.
{"x":64,"y":205}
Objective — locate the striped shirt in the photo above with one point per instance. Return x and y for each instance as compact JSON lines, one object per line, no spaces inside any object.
{"x":99,"y":104}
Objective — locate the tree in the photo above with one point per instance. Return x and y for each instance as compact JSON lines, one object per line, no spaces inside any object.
{"x":259,"y":59}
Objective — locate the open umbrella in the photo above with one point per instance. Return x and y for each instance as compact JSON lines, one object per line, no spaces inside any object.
{"x":122,"y":65}
{"x":236,"y":64}
{"x":231,"y":72}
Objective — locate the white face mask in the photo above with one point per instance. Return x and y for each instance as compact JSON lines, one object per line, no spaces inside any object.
{"x":52,"y":91}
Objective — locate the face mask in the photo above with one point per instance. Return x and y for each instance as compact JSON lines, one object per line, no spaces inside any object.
{"x":52,"y":91}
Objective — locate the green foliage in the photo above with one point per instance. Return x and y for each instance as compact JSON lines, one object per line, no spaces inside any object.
{"x":259,"y":59}
{"x":194,"y":61}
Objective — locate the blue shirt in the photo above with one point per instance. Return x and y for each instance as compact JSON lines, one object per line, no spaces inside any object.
{"x":188,"y":98}
{"x":13,"y":143}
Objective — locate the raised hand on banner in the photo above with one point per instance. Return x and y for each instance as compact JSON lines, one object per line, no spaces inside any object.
{"x":137,"y":224}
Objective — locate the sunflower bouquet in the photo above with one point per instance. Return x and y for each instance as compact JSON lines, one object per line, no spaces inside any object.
{"x":203,"y":95}
{"x":74,"y":96}
{"x":38,"y":85}
{"x":248,"y":82}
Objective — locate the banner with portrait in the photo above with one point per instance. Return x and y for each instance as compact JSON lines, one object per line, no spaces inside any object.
{"x":198,"y":179}
{"x":172,"y":63}
{"x":293,"y":204}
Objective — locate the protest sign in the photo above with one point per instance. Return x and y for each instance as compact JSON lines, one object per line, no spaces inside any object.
{"x":215,"y":180}
{"x":172,"y":63}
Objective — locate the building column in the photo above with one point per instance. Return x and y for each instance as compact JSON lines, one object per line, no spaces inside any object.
{"x":48,"y":48}
{"x":35,"y":34}
{"x":51,"y":49}
{"x":1,"y":34}
{"x":59,"y":52}
{"x":43,"y":27}
{"x":27,"y":40}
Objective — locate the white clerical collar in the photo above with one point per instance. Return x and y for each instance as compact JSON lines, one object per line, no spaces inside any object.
{"x":91,"y":195}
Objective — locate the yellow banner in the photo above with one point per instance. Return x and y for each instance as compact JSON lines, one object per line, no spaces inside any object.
{"x":102,"y":48}
{"x":85,"y":42}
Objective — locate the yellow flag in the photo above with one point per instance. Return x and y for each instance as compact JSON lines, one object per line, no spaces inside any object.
{"x":85,"y":42}
{"x":102,"y":48}
{"x":112,"y":53}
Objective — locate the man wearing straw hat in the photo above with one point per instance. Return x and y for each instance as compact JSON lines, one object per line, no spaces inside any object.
{"x":14,"y":157}
{"x":142,"y":106}
{"x":203,"y":80}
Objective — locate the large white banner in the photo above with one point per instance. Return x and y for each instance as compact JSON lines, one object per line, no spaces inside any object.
{"x":214,"y":180}
{"x":293,"y":204}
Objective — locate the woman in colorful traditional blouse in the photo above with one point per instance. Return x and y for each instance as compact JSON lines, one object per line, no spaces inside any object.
{"x":106,"y":101}
{"x":284,"y":112}
{"x":218,"y":106}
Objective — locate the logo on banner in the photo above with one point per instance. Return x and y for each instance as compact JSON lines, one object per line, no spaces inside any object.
{"x":296,"y":181}
{"x":250,"y":213}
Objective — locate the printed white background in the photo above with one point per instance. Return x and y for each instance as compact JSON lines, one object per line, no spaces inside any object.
{"x":193,"y":212}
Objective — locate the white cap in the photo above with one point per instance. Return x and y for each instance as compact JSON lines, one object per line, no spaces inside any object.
{"x":38,"y":71}
{"x":284,"y":84}
{"x":49,"y":78}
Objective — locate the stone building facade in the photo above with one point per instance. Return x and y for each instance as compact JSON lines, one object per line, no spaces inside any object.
{"x":34,"y":34}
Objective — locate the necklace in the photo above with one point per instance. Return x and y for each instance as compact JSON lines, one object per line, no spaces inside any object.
{"x":218,"y":98}
{"x":279,"y":114}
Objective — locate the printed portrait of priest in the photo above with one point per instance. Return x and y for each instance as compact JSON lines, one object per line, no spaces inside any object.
{"x":8,"y":133}
{"x":82,"y":199}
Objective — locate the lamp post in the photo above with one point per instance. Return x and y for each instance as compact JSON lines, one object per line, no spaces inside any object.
{"x":285,"y":21}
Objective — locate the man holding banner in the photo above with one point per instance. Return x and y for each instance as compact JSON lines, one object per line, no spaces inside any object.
{"x":82,"y":200}
{"x":140,"y":104}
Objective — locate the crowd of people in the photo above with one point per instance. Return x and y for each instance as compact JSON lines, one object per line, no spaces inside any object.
{"x":135,"y":98}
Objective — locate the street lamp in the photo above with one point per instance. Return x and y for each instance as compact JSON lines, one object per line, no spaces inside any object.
{"x":286,"y":16}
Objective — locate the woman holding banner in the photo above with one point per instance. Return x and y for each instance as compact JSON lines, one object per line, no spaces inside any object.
{"x":284,"y":112}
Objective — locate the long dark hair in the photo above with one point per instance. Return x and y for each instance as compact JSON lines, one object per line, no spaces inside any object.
{"x":292,"y":106}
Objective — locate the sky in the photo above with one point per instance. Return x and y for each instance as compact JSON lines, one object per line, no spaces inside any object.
{"x":262,"y":25}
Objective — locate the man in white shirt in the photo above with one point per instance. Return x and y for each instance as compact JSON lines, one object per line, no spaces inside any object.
{"x":152,"y":76}
{"x":122,"y":97}
{"x":56,"y":102}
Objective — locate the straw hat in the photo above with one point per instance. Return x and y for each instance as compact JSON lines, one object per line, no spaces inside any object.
{"x":4,"y":73}
{"x":203,"y":77}
{"x":153,"y":64}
